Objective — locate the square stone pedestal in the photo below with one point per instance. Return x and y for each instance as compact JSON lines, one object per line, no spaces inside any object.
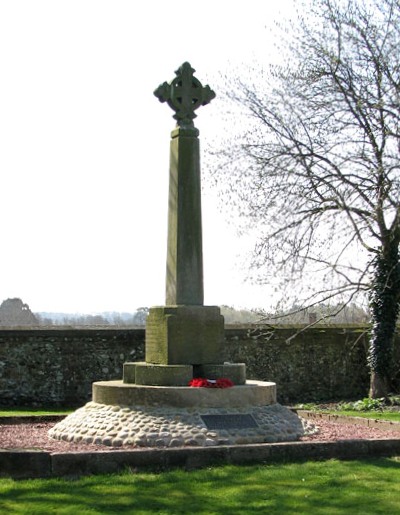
{"x":184,"y":335}
{"x":157,"y":375}
{"x":236,"y":372}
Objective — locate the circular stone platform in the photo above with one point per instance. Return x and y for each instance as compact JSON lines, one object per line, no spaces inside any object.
{"x":117,"y":393}
{"x":145,"y":426}
{"x":180,"y":416}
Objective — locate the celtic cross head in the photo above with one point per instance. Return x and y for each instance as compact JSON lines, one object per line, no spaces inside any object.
{"x":184,"y":94}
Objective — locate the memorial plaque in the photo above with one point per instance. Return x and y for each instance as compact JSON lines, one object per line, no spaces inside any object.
{"x":229,"y":421}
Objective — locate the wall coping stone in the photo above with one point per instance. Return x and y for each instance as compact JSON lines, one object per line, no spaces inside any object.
{"x":19,"y":464}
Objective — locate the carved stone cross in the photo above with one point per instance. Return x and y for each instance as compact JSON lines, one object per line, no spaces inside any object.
{"x":184,"y":338}
{"x":184,"y":333}
{"x":184,"y":94}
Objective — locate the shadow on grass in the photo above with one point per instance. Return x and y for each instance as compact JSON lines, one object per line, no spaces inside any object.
{"x":330,"y":487}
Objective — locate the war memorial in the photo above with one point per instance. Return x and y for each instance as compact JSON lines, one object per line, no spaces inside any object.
{"x":183,"y":394}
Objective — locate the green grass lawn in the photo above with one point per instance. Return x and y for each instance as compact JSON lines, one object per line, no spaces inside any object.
{"x":329,"y":487}
{"x":20,"y":412}
{"x":366,"y":408}
{"x":380,"y":415}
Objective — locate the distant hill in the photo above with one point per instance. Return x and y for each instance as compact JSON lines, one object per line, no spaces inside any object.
{"x":14,"y":312}
{"x":113,"y":318}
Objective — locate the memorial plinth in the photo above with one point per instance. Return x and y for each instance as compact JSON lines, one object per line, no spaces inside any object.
{"x":153,"y":404}
{"x":184,"y":334}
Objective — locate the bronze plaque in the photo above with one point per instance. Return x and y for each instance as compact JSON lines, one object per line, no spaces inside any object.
{"x":229,"y":421}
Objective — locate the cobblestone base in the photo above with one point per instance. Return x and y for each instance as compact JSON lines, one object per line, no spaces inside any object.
{"x":143,"y":426}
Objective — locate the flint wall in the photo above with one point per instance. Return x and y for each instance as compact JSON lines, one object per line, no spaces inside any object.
{"x":56,"y":367}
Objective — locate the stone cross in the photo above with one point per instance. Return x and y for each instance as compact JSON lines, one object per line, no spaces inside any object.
{"x":184,"y":95}
{"x":184,"y":282}
{"x":184,"y":338}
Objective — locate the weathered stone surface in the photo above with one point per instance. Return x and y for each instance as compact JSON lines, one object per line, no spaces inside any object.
{"x":163,"y":375}
{"x":117,"y":393}
{"x":184,"y":94}
{"x":24,"y":463}
{"x":236,"y":372}
{"x":161,"y":427}
{"x":55,"y":367}
{"x":129,"y":372}
{"x":184,"y":335}
{"x":184,"y":278}
{"x":321,"y":363}
{"x":184,"y":284}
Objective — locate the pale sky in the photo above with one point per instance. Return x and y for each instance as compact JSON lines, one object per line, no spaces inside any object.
{"x":85,"y":146}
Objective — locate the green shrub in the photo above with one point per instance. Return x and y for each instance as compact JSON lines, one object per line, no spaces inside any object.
{"x":365,"y":404}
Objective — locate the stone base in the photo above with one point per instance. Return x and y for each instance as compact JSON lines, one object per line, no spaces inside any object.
{"x":152,"y":374}
{"x":236,"y":372}
{"x":117,"y":393}
{"x":176,"y":416}
{"x":150,"y":426}
{"x":177,"y":335}
{"x":157,"y":375}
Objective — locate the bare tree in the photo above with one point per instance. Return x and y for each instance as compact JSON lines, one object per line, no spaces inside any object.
{"x":317,"y":172}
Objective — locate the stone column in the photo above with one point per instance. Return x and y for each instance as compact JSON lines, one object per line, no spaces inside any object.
{"x":184,"y":278}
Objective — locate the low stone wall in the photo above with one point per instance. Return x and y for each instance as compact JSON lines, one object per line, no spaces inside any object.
{"x":317,"y":364}
{"x":56,"y":367}
{"x":24,"y":464}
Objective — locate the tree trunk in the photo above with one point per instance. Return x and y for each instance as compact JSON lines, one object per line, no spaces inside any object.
{"x":384,"y":303}
{"x":378,"y":387}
